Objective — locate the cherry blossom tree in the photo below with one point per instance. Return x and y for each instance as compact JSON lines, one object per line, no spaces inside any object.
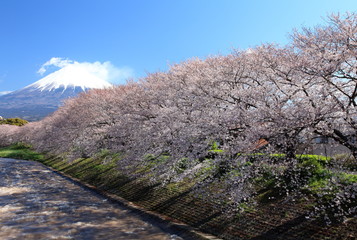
{"x":328,"y":59}
{"x":8,"y":134}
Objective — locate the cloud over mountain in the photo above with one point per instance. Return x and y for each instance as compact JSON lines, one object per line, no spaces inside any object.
{"x":105,"y":71}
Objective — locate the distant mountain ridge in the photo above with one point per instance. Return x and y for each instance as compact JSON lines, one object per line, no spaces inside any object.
{"x":43,"y":97}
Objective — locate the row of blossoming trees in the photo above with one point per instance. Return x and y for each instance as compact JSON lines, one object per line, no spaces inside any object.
{"x":281,"y":94}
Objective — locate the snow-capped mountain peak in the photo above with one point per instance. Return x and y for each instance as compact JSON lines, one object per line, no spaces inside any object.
{"x":72,"y":76}
{"x":43,"y":97}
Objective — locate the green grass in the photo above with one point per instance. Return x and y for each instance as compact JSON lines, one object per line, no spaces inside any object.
{"x":20,"y":151}
{"x":348,"y":178}
{"x":215,"y":148}
{"x":311,"y":175}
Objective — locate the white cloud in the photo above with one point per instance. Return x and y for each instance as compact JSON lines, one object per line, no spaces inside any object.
{"x":119,"y":75}
{"x":55,"y":61}
{"x":106,"y":70}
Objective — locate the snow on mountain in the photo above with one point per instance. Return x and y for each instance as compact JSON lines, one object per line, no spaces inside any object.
{"x":4,"y":93}
{"x":43,"y":97}
{"x":71,"y":76}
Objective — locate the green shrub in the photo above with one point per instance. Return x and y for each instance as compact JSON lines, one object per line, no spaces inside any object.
{"x":14,"y":121}
{"x":348,"y":178}
{"x":215,"y":148}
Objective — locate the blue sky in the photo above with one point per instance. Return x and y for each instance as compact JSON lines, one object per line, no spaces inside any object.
{"x":141,"y":36}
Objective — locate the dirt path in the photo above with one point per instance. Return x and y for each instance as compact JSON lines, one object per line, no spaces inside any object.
{"x":36,"y":203}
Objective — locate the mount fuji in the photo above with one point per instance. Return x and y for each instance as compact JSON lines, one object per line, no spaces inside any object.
{"x":43,"y":97}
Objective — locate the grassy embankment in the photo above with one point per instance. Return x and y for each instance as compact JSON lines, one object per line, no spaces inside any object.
{"x":20,"y":151}
{"x":275,"y":214}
